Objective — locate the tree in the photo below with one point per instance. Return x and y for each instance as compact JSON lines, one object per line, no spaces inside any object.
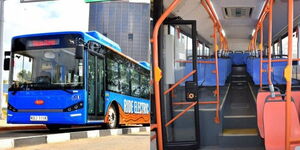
{"x":24,"y":76}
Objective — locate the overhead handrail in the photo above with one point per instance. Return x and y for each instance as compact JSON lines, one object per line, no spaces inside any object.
{"x":188,"y":103}
{"x":199,"y":61}
{"x":281,"y":60}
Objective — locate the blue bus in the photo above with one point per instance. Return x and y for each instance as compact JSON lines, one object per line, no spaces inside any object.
{"x":75,"y":78}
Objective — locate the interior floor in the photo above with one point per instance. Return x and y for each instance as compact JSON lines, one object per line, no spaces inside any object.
{"x":239,"y":125}
{"x":240,"y":101}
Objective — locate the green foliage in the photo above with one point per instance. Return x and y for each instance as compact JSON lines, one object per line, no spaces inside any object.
{"x":24,"y":76}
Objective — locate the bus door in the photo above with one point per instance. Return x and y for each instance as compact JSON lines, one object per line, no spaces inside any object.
{"x":95,"y":79}
{"x":183,"y":133}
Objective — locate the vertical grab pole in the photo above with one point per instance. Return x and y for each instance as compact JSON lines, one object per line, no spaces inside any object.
{"x":271,"y":87}
{"x":288,"y":74}
{"x":252,"y":45}
{"x":261,"y":54}
{"x":255,"y":38}
{"x":157,"y":71}
{"x":217,"y":119}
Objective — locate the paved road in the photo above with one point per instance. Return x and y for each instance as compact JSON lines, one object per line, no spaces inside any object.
{"x":137,"y":141}
{"x":20,"y":133}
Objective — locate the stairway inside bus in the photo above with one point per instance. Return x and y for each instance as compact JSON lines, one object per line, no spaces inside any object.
{"x":239,"y":127}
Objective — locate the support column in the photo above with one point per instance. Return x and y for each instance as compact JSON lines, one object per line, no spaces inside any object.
{"x":1,"y":54}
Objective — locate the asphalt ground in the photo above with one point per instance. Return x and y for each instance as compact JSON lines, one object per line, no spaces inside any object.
{"x":136,"y":141}
{"x":25,"y":131}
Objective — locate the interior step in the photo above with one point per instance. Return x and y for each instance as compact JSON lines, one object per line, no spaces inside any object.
{"x":240,"y":132}
{"x":239,"y":81}
{"x":238,"y":75}
{"x":240,"y":138}
{"x":239,"y":121}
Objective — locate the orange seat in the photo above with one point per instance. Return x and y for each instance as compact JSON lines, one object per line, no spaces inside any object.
{"x":260,"y":101}
{"x":296,"y":97}
{"x":274,"y":125}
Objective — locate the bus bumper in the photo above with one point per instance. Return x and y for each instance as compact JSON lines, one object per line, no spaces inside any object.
{"x":69,"y":118}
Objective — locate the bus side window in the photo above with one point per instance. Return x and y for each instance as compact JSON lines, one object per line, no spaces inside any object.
{"x":124,"y":79}
{"x":135,"y":83}
{"x":112,"y":75}
{"x":145,"y":87}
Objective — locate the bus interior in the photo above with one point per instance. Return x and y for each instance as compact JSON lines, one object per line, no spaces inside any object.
{"x":225,"y":74}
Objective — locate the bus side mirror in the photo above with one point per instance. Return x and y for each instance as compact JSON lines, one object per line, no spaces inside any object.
{"x":6,"y":61}
{"x":79,"y":51}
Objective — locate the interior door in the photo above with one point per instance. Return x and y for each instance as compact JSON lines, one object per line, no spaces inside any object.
{"x":184,"y":132}
{"x":95,"y":87}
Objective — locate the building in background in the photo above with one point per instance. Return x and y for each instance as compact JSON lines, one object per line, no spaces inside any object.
{"x":125,"y":22}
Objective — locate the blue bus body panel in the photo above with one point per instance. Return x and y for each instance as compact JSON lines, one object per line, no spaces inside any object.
{"x":146,"y":65}
{"x":120,"y":99}
{"x":69,"y":118}
{"x":58,"y":99}
{"x":103,"y":40}
{"x":88,"y":36}
{"x":54,"y":100}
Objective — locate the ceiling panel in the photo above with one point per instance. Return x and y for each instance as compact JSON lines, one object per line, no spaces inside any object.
{"x":193,"y":10}
{"x":235,"y":28}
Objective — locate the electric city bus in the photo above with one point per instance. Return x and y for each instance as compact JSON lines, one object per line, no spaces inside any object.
{"x":75,"y":78}
{"x":226,"y":74}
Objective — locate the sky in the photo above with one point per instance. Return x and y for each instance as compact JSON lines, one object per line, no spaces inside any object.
{"x":38,"y":17}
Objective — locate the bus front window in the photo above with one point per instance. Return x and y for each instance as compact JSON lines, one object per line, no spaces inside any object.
{"x":47,"y":68}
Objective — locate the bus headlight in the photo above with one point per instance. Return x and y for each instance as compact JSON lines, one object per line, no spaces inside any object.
{"x":74,"y":107}
{"x":11,"y":108}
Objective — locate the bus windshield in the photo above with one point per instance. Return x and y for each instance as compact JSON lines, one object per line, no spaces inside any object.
{"x":47,"y":69}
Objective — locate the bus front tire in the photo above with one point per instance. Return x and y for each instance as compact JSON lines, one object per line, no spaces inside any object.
{"x":113,"y":117}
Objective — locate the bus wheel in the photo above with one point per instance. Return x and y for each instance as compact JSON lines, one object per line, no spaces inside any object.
{"x":113,"y":117}
{"x":52,"y":127}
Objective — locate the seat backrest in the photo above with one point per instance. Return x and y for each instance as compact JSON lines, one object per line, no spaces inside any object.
{"x":260,"y":101}
{"x":274,"y":124}
{"x":296,"y":97}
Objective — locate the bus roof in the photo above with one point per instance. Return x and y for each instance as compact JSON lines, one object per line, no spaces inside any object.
{"x":90,"y":36}
{"x":145,"y":65}
{"x":93,"y":35}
